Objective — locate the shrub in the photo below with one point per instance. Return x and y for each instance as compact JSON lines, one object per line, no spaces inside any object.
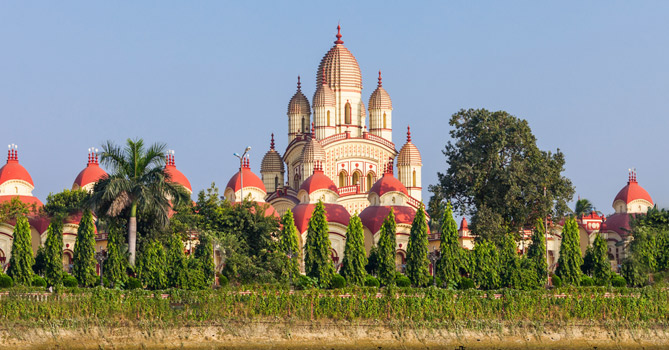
{"x":338,"y":281}
{"x":306,"y":282}
{"x":556,"y":281}
{"x":402,"y":281}
{"x":133,"y":283}
{"x":70,"y":281}
{"x":372,"y":281}
{"x":587,"y":281}
{"x":38,"y":282}
{"x":5,"y":281}
{"x":618,"y":281}
{"x":222,"y":280}
{"x":466,"y":283}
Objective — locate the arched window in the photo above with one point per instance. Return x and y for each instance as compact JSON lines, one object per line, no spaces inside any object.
{"x":3,"y":258}
{"x":328,"y":118}
{"x":67,"y":261}
{"x":370,"y":181}
{"x":296,"y":182}
{"x":356,"y":178}
{"x":384,"y":121}
{"x":276,"y":183}
{"x":347,"y":114}
{"x":342,"y":179}
{"x":414,"y":178}
{"x":304,"y":125}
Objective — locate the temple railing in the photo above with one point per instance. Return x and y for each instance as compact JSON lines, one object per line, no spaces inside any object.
{"x":349,"y":190}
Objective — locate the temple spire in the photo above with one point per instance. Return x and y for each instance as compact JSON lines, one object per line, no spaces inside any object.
{"x":271,"y":144}
{"x":380,"y":83}
{"x":299,"y":85}
{"x":408,"y":133}
{"x":339,"y":41}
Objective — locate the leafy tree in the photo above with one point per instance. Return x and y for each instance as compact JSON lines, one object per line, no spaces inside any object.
{"x":450,"y":260}
{"x":114,"y":268}
{"x":53,"y":249}
{"x":601,"y":271}
{"x":151,"y":266}
{"x":14,"y":209}
{"x":640,"y":263}
{"x":510,"y":274}
{"x":355,"y":257}
{"x":372,"y":266}
{"x":39,"y":267}
{"x":21,"y":261}
{"x":386,"y":250}
{"x":84,"y":251}
{"x":537,"y":252}
{"x":435,"y":209}
{"x":317,"y":261}
{"x":176,"y":263}
{"x":495,"y":164}
{"x":288,"y":243}
{"x":137,"y":184}
{"x":570,"y":261}
{"x":417,"y":262}
{"x":64,"y":203}
{"x":657,"y":221}
{"x":486,"y":265}
{"x":583,"y":207}
{"x":588,"y":261}
{"x":204,"y":253}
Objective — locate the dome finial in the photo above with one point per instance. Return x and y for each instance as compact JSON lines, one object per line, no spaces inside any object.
{"x":380,"y":83}
{"x":271,"y":144}
{"x":339,"y":41}
{"x":408,"y":133}
{"x":313,"y":130}
{"x":299,"y":85}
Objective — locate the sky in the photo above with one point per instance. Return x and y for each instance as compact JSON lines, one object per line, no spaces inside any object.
{"x":211,"y":77}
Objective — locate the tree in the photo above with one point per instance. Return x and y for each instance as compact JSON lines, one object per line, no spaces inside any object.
{"x":386,"y":250}
{"x":114,"y":268}
{"x":486,"y":265}
{"x":509,"y":263}
{"x":64,"y":203}
{"x":137,"y":184}
{"x":588,"y":261}
{"x":204,"y":253}
{"x":537,"y":252}
{"x":14,"y":209}
{"x":288,"y":243}
{"x":176,"y":263}
{"x":21,"y":261}
{"x":53,"y":249}
{"x":355,"y":257}
{"x":494,"y":163}
{"x":84,"y":251}
{"x":640,"y":263}
{"x":583,"y":207}
{"x":372,"y":266}
{"x":317,"y":261}
{"x":151,"y":266}
{"x":39,"y":267}
{"x":450,"y":259}
{"x":417,"y":262}
{"x":570,"y":261}
{"x":601,"y":271}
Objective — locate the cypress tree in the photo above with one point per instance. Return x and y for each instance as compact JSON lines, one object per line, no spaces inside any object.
{"x":204,"y":253}
{"x":22,"y":260}
{"x":486,"y":265}
{"x":84,"y":251}
{"x":151,"y":265}
{"x":114,"y":268}
{"x":570,"y":261}
{"x":450,"y":260}
{"x":175,"y":262}
{"x":317,"y":261}
{"x":417,"y":262}
{"x":386,"y":250}
{"x":288,"y":243}
{"x":509,"y":263}
{"x":53,"y":249}
{"x":588,"y":261}
{"x":601,"y":270}
{"x":355,"y":257}
{"x":537,"y":252}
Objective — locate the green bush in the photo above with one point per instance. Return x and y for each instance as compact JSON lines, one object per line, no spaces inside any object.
{"x":372,"y":281}
{"x":402,"y":281}
{"x":556,"y":281}
{"x":466,"y":283}
{"x":133,"y":283}
{"x":618,"y":281}
{"x":70,"y":281}
{"x":5,"y":281}
{"x":587,"y":281}
{"x":338,"y":281}
{"x":306,"y":282}
{"x":38,"y":282}
{"x":222,"y":280}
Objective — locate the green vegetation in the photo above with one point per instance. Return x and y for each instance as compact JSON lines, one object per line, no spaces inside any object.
{"x":486,"y":265}
{"x":417,"y":263}
{"x":114,"y":269}
{"x":84,"y":251}
{"x":151,"y":266}
{"x":570,"y":261}
{"x":536,"y":252}
{"x":385,"y":257}
{"x":450,"y":259}
{"x":53,"y":253}
{"x":176,"y":263}
{"x":355,"y":257}
{"x":21,"y":262}
{"x":288,"y":243}
{"x":317,"y":261}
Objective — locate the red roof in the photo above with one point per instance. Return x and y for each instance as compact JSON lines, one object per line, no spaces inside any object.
{"x":388,"y":183}
{"x":318,"y":181}
{"x":178,"y":177}
{"x":633,"y":192}
{"x":333,"y":212}
{"x":463,"y":225}
{"x":24,"y":199}
{"x":15,"y":171}
{"x":372,"y":217}
{"x":250,"y":180}
{"x":90,"y":174}
{"x":618,"y":222}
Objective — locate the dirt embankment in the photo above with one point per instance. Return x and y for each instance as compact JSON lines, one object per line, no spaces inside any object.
{"x":340,"y":335}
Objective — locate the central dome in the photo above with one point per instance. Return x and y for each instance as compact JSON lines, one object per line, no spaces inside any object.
{"x":340,"y":68}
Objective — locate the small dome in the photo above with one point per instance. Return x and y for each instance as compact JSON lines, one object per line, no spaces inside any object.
{"x":176,"y":176}
{"x":340,"y":67}
{"x":318,"y":181}
{"x":298,"y":103}
{"x":250,"y":179}
{"x":324,"y":96}
{"x":388,"y":183}
{"x":632,"y":191}
{"x":272,"y":161}
{"x":372,"y":217}
{"x":380,"y":98}
{"x":312,"y":151}
{"x":92,"y":173}
{"x":334,"y":213}
{"x":409,"y":154}
{"x":13,"y":170}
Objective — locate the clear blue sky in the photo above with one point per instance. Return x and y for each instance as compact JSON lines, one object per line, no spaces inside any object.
{"x":209,"y":78}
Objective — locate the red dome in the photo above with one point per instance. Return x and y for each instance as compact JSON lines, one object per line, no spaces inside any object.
{"x":15,"y":171}
{"x":90,"y":174}
{"x":618,"y":222}
{"x":318,"y":181}
{"x":632,"y":192}
{"x":178,"y":177}
{"x":250,"y":180}
{"x":333,"y":212}
{"x":388,"y":183}
{"x":373,"y":217}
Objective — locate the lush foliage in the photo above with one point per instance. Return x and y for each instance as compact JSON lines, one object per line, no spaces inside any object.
{"x":84,"y":251}
{"x":176,"y":263}
{"x":450,"y":259}
{"x":372,"y":266}
{"x":355,"y":257}
{"x":65,"y":203}
{"x":570,"y":261}
{"x":601,"y":270}
{"x":53,"y":253}
{"x":151,"y":266}
{"x":510,"y":270}
{"x":204,"y":255}
{"x":417,"y":262}
{"x":5,"y":281}
{"x":583,"y":207}
{"x":14,"y":209}
{"x":21,"y":261}
{"x":486,"y":265}
{"x":537,"y":252}
{"x":317,"y":260}
{"x":288,"y":243}
{"x":386,"y":250}
{"x":641,"y":262}
{"x":114,"y":268}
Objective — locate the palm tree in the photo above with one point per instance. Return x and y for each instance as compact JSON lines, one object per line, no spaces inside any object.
{"x":583,"y":207}
{"x":137,"y":182}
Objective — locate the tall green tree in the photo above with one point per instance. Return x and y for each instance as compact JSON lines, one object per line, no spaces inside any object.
{"x":355,"y":257}
{"x":137,"y":183}
{"x":386,"y":250}
{"x":151,"y":266}
{"x":640,"y":262}
{"x":570,"y":261}
{"x":417,"y":263}
{"x":494,"y":163}
{"x":22,"y":260}
{"x":509,"y":263}
{"x":537,"y":252}
{"x":84,"y":251}
{"x":14,"y":209}
{"x":114,"y":268}
{"x":317,"y":261}
{"x":486,"y":265}
{"x":53,"y":249}
{"x":601,"y":266}
{"x":64,"y":203}
{"x":450,"y":259}
{"x":583,"y":207}
{"x":176,"y":263}
{"x":204,"y":253}
{"x":288,"y":243}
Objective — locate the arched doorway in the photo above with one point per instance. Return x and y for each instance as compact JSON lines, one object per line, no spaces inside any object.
{"x":400,"y":261}
{"x":67,"y":261}
{"x":342,"y":178}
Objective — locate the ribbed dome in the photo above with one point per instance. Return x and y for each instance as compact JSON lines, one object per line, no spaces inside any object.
{"x":409,"y":154}
{"x":272,"y":161}
{"x":341,"y":69}
{"x":380,"y":98}
{"x":312,"y":151}
{"x":324,"y":96}
{"x":13,"y":170}
{"x":299,"y":103}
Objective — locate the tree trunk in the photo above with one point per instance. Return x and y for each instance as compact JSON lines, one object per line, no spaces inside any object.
{"x":132,"y":234}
